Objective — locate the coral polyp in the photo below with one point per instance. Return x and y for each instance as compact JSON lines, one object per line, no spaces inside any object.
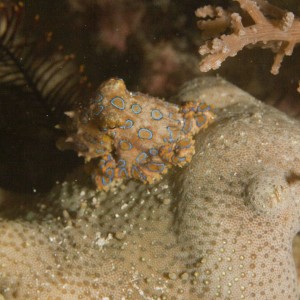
{"x":133,"y":135}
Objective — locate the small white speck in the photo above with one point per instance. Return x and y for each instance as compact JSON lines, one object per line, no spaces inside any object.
{"x":100,"y":241}
{"x":124,"y":206}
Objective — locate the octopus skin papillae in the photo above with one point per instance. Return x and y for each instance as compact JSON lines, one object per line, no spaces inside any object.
{"x":133,"y":135}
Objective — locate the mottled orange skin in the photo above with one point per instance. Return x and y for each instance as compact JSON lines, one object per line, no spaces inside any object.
{"x":133,"y":135}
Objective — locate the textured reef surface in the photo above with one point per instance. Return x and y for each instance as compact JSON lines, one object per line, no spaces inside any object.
{"x":220,"y":228}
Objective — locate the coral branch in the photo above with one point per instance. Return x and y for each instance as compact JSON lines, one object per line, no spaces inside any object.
{"x":214,"y":20}
{"x":280,"y":33}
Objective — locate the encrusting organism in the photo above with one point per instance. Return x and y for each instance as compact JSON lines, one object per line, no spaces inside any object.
{"x":132,"y":135}
{"x":273,"y":28}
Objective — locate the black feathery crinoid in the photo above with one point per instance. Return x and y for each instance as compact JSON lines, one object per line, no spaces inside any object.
{"x":37,"y":84}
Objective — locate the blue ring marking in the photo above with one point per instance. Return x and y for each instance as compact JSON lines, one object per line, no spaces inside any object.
{"x":171,"y":140}
{"x":154,"y":111}
{"x":208,"y":107}
{"x":113,"y":100}
{"x":184,"y":129}
{"x":128,"y":143}
{"x":110,"y":173}
{"x":160,"y":165}
{"x":141,"y":175}
{"x":100,"y":109}
{"x":141,"y":158}
{"x":100,"y":151}
{"x":186,"y":147}
{"x":122,"y":168}
{"x":148,"y":131}
{"x":103,"y":179}
{"x":179,"y":158}
{"x":128,"y":124}
{"x":200,"y":124}
{"x":186,"y":110}
{"x":122,"y":163}
{"x":153,"y":151}
{"x":102,"y":162}
{"x":136,"y":108}
{"x":98,"y":100}
{"x":110,"y":176}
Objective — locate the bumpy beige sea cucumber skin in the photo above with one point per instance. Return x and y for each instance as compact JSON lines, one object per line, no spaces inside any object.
{"x":220,"y":228}
{"x":239,"y":206}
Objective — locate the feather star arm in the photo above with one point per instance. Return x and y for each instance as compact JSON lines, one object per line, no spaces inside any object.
{"x":133,"y":135}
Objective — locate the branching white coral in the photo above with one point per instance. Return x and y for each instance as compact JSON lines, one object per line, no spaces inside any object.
{"x":273,"y":28}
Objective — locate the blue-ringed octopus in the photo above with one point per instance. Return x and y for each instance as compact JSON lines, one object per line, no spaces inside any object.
{"x":125,"y":135}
